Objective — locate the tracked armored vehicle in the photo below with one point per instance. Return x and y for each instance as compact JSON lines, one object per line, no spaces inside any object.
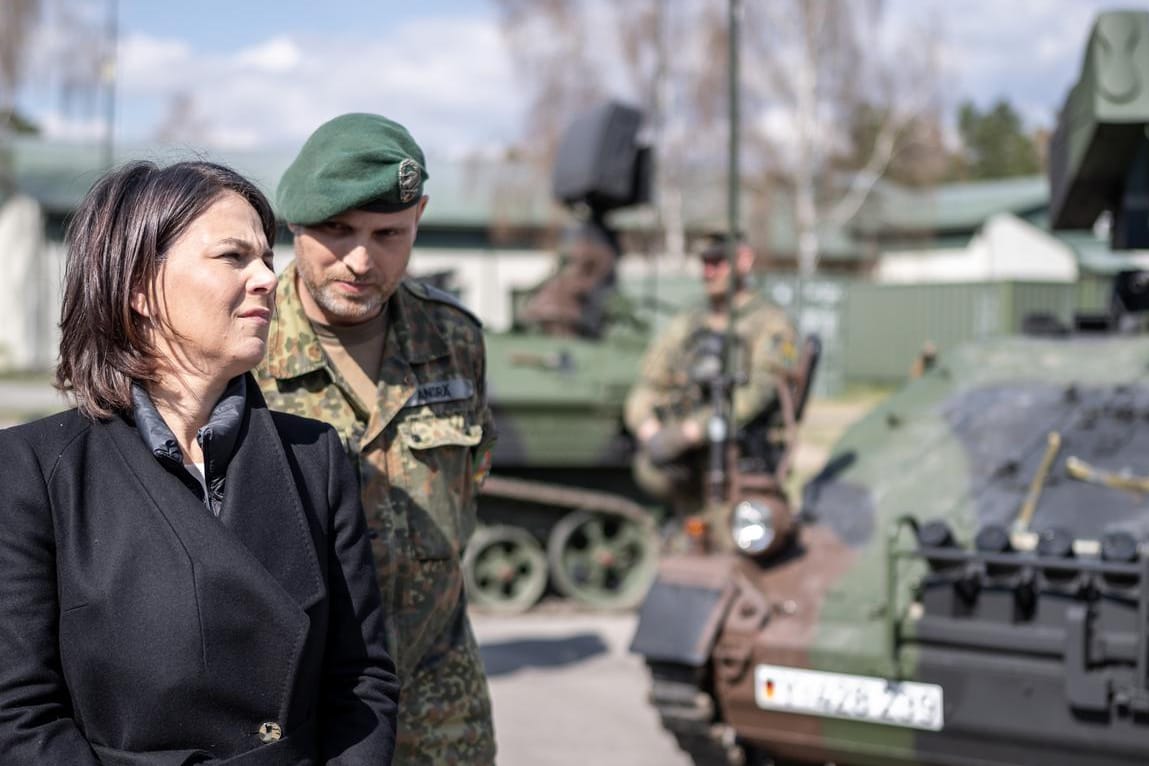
{"x":967,"y":581}
{"x":560,"y":511}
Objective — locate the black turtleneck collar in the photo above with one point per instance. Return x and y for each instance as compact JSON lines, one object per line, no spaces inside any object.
{"x":217,"y":438}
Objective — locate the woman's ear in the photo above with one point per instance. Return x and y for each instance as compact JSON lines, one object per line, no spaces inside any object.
{"x":140,"y":303}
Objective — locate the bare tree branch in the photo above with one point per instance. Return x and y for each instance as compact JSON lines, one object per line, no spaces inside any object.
{"x":812,"y":70}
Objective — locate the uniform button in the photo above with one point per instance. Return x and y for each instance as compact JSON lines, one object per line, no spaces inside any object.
{"x":269,"y":732}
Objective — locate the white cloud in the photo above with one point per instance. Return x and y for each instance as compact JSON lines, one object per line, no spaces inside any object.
{"x":59,"y":127}
{"x":1028,"y":51}
{"x":456,"y":93}
{"x":151,"y":65}
{"x":279,"y":55}
{"x":451,"y":79}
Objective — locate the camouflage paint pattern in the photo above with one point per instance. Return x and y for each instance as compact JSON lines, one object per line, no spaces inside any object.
{"x":1037,"y":633}
{"x":938,"y":449}
{"x":421,"y":451}
{"x":558,"y":401}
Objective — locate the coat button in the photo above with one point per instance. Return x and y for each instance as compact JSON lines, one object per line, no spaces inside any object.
{"x":269,"y":732}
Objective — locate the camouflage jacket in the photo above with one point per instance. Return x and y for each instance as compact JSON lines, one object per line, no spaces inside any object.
{"x":421,"y":449}
{"x":664,"y":391}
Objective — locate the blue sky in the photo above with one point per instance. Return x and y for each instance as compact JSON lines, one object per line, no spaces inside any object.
{"x":264,"y":74}
{"x":202,"y":20}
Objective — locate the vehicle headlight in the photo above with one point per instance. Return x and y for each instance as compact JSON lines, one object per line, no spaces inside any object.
{"x":752,"y":527}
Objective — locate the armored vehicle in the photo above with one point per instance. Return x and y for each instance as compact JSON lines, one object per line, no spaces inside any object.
{"x":967,"y":581}
{"x":560,"y":510}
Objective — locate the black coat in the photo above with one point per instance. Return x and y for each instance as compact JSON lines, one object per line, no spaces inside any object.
{"x":137,"y":628}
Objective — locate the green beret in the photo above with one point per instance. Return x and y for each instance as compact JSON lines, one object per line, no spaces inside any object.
{"x":353,"y":161}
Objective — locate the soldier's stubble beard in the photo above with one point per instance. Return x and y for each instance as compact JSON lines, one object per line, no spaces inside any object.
{"x":344,"y":309}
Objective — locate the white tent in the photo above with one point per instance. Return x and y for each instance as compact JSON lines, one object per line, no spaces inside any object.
{"x":1005,"y":248}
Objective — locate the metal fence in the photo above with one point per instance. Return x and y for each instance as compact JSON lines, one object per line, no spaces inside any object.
{"x":884,"y":327}
{"x":872,"y":334}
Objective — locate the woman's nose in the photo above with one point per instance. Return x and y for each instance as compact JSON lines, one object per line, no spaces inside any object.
{"x":263,"y":280}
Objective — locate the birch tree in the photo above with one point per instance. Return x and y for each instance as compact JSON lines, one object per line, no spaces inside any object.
{"x":552,"y":49}
{"x":573,"y":53}
{"x":812,"y":72}
{"x":811,"y":66}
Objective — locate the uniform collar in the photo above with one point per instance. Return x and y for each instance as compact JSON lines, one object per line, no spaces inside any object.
{"x":747,"y":301}
{"x":416,"y":331}
{"x":294,"y":349}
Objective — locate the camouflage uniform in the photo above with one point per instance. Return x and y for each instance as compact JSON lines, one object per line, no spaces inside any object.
{"x":766,"y":344}
{"x":421,"y":450}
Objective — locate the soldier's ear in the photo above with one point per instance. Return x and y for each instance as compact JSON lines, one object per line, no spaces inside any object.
{"x":744,"y":259}
{"x":420,"y":208}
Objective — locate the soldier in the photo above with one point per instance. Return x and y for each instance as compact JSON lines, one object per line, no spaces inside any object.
{"x":668,"y":408}
{"x":398,"y":368}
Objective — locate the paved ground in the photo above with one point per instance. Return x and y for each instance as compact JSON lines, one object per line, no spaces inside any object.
{"x":567,"y":693}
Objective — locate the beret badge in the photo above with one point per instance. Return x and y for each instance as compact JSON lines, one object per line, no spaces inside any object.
{"x":355,"y":161}
{"x":409,"y":180}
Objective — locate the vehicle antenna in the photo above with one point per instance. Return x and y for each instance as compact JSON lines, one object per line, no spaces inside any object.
{"x":719,"y":426}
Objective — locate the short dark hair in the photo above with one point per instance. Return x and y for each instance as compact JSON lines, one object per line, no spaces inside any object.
{"x":116,"y":241}
{"x":714,"y":244}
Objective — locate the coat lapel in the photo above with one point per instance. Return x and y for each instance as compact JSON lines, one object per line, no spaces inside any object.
{"x":171,"y":499}
{"x":264,"y":535}
{"x":262,"y":507}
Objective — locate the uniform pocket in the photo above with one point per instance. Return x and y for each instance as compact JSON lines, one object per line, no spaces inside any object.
{"x":428,"y":433}
{"x":438,"y":459}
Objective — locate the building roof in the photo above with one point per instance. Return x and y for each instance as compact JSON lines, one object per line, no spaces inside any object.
{"x":471,"y":193}
{"x":1094,"y":254}
{"x":485,"y":193}
{"x":948,"y":208}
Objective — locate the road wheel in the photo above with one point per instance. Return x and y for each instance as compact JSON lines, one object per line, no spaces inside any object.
{"x":603,"y":560}
{"x":505,"y":569}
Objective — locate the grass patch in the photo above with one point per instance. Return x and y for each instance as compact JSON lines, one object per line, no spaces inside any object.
{"x":864,"y":393}
{"x":15,"y":417}
{"x":823,"y":424}
{"x":26,"y":376}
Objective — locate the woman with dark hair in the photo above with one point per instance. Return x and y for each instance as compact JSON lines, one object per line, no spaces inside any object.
{"x":185,"y":576}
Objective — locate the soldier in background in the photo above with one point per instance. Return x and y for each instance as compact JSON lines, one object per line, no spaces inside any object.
{"x":398,"y":369}
{"x":668,"y":408}
{"x":925,"y":360}
{"x":573,"y":301}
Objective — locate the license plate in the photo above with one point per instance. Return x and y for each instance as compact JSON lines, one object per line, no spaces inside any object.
{"x":857,"y":698}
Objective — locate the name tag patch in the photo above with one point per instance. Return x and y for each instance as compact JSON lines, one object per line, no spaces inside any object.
{"x":441,"y":391}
